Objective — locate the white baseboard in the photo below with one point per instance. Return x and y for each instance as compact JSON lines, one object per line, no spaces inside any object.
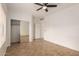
{"x":3,"y":50}
{"x":39,"y":38}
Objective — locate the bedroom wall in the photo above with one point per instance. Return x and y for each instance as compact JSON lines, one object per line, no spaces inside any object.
{"x":3,"y":39}
{"x":62,"y":27}
{"x":37,"y":27}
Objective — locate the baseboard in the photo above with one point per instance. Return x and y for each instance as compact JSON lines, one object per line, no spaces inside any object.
{"x":3,"y":49}
{"x":24,"y":36}
{"x":38,"y":38}
{"x":63,"y":46}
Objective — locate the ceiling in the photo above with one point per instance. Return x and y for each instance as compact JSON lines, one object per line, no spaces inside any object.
{"x":31,"y":8}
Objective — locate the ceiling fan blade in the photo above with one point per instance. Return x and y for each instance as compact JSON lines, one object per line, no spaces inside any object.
{"x":45,"y":4}
{"x":46,"y":10}
{"x":51,"y":5}
{"x":39,"y":4}
{"x":39,"y":8}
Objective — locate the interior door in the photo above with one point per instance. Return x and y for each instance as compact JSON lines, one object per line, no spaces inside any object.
{"x":15,"y":31}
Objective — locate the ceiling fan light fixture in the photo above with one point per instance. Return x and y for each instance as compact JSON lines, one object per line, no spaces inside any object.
{"x":44,"y":7}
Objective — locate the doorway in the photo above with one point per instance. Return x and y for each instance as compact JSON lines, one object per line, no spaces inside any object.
{"x":19,"y":31}
{"x":15,"y":31}
{"x":24,"y":31}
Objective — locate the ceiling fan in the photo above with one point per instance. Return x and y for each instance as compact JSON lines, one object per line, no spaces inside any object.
{"x":44,"y":6}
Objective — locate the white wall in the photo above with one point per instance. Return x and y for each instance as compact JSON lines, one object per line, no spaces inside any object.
{"x":3,"y":40}
{"x":62,"y":27}
{"x":31,"y":30}
{"x":37,"y":27}
{"x":24,"y":28}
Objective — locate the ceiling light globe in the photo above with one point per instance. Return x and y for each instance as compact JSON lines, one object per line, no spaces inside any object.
{"x":44,"y":7}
